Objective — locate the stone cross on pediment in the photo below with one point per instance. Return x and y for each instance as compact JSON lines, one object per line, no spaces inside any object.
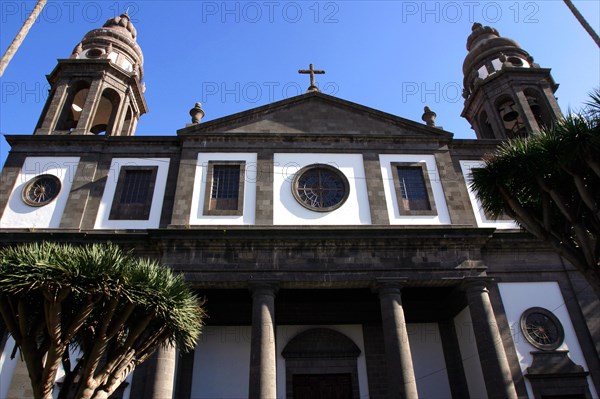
{"x":312,"y":71}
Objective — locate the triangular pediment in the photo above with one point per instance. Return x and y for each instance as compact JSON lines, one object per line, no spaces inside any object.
{"x":316,"y":113}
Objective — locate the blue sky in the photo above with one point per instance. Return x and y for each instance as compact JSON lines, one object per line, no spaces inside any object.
{"x":395,"y":56}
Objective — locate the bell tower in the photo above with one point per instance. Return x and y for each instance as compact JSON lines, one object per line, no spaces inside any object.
{"x":99,"y":89}
{"x":506,"y":94}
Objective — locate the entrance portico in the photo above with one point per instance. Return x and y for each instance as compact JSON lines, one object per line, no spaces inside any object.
{"x":339,"y":339}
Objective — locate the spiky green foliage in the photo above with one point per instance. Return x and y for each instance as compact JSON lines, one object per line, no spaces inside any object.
{"x":111,"y":306}
{"x":550,"y":184}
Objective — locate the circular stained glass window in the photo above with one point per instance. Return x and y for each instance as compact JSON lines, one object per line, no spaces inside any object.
{"x":542,"y":329}
{"x":320,"y":188}
{"x":41,"y":190}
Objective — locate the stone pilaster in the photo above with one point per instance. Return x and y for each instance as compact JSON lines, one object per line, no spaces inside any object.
{"x":377,"y":201}
{"x":84,"y":125}
{"x":402,"y":382}
{"x":263,"y":382}
{"x":494,"y":364}
{"x":264,"y":188}
{"x":52,"y":113}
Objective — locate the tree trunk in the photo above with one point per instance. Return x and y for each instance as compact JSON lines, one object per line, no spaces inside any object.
{"x":14,"y":46}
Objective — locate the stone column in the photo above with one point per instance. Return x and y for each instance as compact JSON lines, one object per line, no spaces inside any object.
{"x":263,"y":383}
{"x":162,"y":381}
{"x":494,"y":364}
{"x":402,"y":382}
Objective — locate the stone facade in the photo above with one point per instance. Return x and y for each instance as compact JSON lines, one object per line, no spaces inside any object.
{"x":420,"y":297}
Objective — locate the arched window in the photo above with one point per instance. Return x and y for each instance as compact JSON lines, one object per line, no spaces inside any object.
{"x":485,"y":127}
{"x":73,"y":106}
{"x":106,"y":112}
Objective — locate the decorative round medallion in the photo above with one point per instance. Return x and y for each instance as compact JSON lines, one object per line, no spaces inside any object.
{"x":41,"y":190}
{"x":320,"y":188}
{"x":542,"y":329}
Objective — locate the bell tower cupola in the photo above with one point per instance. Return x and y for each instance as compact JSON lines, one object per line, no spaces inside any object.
{"x":98,"y":89}
{"x":506,"y":94}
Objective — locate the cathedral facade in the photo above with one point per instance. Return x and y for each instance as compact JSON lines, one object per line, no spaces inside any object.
{"x":341,"y":250}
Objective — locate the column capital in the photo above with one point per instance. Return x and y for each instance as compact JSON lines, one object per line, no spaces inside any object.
{"x":263,"y":287}
{"x":477,"y":284}
{"x":386,"y":285}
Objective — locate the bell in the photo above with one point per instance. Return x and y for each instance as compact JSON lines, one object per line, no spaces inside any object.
{"x":508,"y":112}
{"x":534,"y":105}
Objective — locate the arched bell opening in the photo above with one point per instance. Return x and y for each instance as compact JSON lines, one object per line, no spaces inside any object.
{"x":539,"y":108}
{"x":106,"y":112}
{"x":510,"y":117}
{"x":485,"y":127}
{"x":73,"y":106}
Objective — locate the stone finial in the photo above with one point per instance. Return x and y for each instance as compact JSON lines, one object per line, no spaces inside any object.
{"x":77,"y":50}
{"x":122,"y":22}
{"x":197,"y":113}
{"x":479,"y":33}
{"x":143,"y":87}
{"x":429,"y":117}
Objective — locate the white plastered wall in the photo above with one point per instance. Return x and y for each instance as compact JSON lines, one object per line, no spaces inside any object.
{"x":428,"y":360}
{"x":482,"y":220}
{"x":102,"y":219}
{"x":518,"y":297}
{"x":200,"y":183}
{"x":222,"y":363}
{"x":7,"y":367}
{"x":222,"y":360}
{"x":391,"y":199}
{"x":469,"y":354}
{"x":20,"y":215}
{"x":287,"y":211}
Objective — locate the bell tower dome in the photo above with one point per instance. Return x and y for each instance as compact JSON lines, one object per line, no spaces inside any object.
{"x":99,"y":89}
{"x":506,"y":94}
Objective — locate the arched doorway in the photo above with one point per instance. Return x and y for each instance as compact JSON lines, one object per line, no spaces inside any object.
{"x":321,"y":363}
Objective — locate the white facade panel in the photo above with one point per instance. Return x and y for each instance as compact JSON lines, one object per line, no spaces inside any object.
{"x":20,"y":215}
{"x":428,"y":360}
{"x":222,"y":363}
{"x":518,"y":297}
{"x":287,"y":211}
{"x":200,"y":187}
{"x":396,"y":218}
{"x":7,"y":366}
{"x":103,"y":221}
{"x":480,"y":216}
